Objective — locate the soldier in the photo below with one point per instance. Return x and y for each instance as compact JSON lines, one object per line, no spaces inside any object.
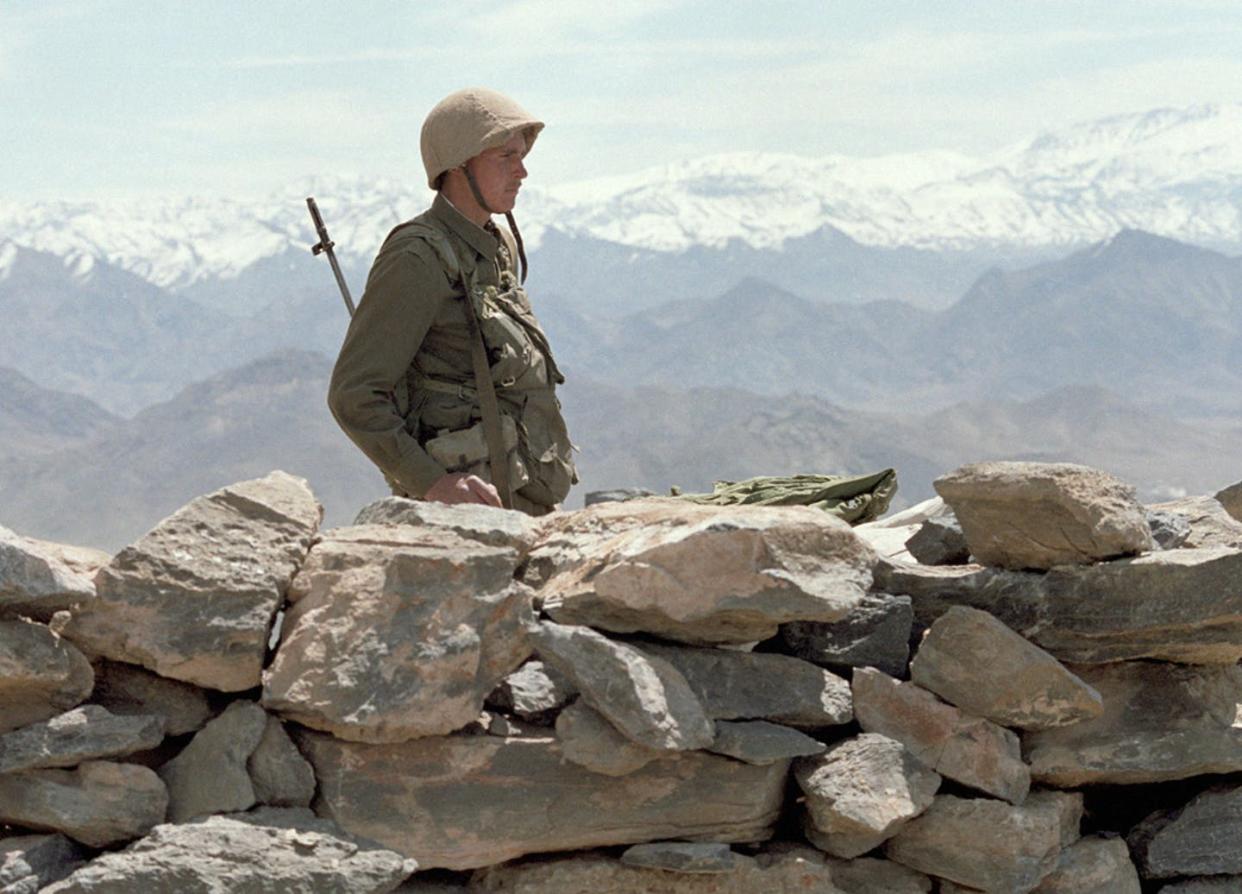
{"x":404,"y":387}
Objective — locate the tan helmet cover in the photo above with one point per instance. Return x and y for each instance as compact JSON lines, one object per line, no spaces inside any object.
{"x":467,"y":122}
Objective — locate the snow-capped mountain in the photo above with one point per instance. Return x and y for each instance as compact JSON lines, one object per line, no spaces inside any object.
{"x":1173,"y":172}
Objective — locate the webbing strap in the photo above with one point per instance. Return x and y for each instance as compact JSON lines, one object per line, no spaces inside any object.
{"x":497,"y":455}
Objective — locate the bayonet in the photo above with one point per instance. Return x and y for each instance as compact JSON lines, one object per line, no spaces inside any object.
{"x":324,"y":246}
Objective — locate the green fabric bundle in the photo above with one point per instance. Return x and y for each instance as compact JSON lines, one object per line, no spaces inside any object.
{"x":856,"y":499}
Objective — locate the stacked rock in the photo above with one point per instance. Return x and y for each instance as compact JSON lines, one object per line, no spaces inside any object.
{"x":641,"y":696}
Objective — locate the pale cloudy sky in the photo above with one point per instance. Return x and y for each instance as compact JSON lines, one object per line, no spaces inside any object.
{"x":102,"y":98}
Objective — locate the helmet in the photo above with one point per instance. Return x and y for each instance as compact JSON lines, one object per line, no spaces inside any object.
{"x":467,"y":122}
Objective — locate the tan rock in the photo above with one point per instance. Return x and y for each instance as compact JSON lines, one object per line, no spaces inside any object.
{"x":789,"y":871}
{"x":209,"y":775}
{"x":981,"y":843}
{"x":269,"y":850}
{"x":41,"y":675}
{"x":98,"y":803}
{"x":862,"y":791}
{"x":644,"y":696}
{"x":1093,"y":866}
{"x":1231,"y":498}
{"x":396,"y":632}
{"x":126,"y":689}
{"x":736,"y":685}
{"x":85,"y":733}
{"x":479,"y":524}
{"x":462,"y":802}
{"x":969,"y":750}
{"x":195,"y":597}
{"x":1160,"y":722}
{"x":1038,"y":515}
{"x":38,"y":579}
{"x":973,"y":661}
{"x":699,"y":574}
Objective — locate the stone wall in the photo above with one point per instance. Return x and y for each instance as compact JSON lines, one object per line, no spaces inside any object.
{"x":1030,"y":683}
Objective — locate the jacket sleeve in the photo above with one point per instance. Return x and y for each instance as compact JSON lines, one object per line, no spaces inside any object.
{"x":404,"y":293}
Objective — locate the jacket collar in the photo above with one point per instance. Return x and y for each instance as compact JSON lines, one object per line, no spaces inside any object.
{"x":482,"y":241}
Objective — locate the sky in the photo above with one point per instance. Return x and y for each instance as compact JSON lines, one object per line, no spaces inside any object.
{"x":105,"y":99}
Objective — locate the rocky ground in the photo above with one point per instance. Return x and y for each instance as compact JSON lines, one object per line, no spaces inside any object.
{"x":1029,"y":683}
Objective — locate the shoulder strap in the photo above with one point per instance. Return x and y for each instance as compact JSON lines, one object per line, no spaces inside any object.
{"x":497,"y":455}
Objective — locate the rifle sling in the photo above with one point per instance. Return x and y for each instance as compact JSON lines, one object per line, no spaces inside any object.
{"x":497,"y":455}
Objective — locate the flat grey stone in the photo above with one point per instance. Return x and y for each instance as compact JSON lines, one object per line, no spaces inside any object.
{"x":210,"y":775}
{"x":280,"y":775}
{"x":788,"y":869}
{"x":689,"y":858}
{"x":85,"y":733}
{"x":269,"y":850}
{"x":1169,"y":529}
{"x":1093,"y":866}
{"x":616,"y":495}
{"x":735,"y":685}
{"x":982,"y":843}
{"x":194,"y":598}
{"x":462,"y":802}
{"x":1182,"y":605}
{"x":98,"y":803}
{"x":395,"y":632}
{"x":876,"y":633}
{"x":1038,"y":515}
{"x":761,"y":742}
{"x":587,"y":739}
{"x":481,"y":524}
{"x":970,"y":750}
{"x":1209,"y":523}
{"x":29,"y":862}
{"x":698,"y":574}
{"x":869,"y":875}
{"x":1203,"y":837}
{"x":127,"y":689}
{"x":1161,"y":722}
{"x":1221,"y":884}
{"x":38,"y":579}
{"x":43,"y":674}
{"x":861,"y":792}
{"x":534,"y":692}
{"x":972,"y":660}
{"x":939,"y":541}
{"x":642,"y":695}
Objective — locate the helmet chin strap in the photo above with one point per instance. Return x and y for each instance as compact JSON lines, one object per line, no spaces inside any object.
{"x":513,"y":227}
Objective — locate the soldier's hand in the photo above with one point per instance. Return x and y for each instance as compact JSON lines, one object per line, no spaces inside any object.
{"x":460,"y":487}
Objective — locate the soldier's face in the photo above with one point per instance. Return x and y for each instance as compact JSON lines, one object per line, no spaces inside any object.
{"x":499,"y":172}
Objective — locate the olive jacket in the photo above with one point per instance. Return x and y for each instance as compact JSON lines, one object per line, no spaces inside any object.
{"x":404,"y":375}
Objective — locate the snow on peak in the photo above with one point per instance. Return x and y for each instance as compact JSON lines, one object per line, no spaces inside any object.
{"x":1173,"y":172}
{"x":8,"y":256}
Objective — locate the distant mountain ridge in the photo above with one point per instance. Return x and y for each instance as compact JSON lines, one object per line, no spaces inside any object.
{"x":105,"y":490}
{"x":1173,"y":172}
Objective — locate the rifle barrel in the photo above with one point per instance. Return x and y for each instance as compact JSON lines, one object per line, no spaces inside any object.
{"x":325,"y":245}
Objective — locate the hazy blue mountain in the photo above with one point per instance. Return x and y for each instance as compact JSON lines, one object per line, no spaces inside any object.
{"x":80,"y":325}
{"x":270,"y":414}
{"x":34,"y":419}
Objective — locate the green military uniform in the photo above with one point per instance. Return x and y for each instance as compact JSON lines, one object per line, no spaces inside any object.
{"x":403,"y":383}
